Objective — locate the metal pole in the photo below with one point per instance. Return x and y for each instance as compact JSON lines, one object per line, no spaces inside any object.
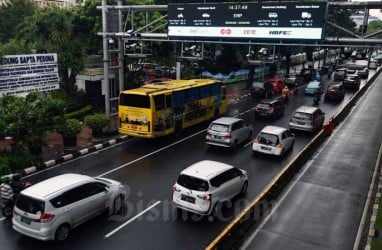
{"x":120,"y":51}
{"x":105,"y":59}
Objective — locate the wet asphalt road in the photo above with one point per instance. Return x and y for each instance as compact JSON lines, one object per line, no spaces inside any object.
{"x":148,"y":169}
{"x":323,"y":205}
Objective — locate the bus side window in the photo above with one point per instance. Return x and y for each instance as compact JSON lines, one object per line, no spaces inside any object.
{"x":168,"y":101}
{"x":204,"y":92}
{"x":224,"y":92}
{"x":214,"y":90}
{"x":159,"y":102}
{"x":178,"y":98}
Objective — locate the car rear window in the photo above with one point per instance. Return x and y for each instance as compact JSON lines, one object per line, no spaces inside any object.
{"x":30,"y":205}
{"x":219,"y":127}
{"x":304,"y":116}
{"x":264,"y":105}
{"x":268,"y":139}
{"x":192,"y":183}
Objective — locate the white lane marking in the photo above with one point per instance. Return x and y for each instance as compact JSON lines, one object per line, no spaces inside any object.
{"x":132,"y":219}
{"x":2,"y":218}
{"x":154,"y":152}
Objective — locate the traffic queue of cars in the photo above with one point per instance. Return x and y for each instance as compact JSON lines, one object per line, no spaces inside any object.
{"x":50,"y":209}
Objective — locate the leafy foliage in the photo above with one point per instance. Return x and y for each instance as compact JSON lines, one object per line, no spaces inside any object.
{"x":27,"y":119}
{"x":97,"y":122}
{"x":68,"y":127}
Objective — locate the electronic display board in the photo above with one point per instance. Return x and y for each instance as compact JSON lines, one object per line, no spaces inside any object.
{"x":272,"y":20}
{"x":22,"y":74}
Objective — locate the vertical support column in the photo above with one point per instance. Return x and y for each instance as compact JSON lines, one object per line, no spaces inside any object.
{"x":120,"y":51}
{"x":105,"y":59}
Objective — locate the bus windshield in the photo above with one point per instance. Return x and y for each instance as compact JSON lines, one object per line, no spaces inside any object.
{"x":139,"y":101}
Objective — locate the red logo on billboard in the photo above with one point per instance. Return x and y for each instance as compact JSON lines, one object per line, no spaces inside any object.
{"x":225,"y":31}
{"x":249,"y":32}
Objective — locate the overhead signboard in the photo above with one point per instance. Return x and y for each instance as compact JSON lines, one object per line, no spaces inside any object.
{"x":273,"y":20}
{"x":22,"y":74}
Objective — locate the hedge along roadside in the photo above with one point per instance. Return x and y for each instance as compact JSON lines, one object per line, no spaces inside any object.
{"x":261,"y":206}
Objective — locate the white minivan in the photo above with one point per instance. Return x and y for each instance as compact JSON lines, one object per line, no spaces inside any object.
{"x":49,"y":209}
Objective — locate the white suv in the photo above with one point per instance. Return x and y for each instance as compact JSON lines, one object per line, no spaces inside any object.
{"x":274,"y":140}
{"x":49,"y":209}
{"x":228,"y":132}
{"x":307,"y":118}
{"x":205,"y":184}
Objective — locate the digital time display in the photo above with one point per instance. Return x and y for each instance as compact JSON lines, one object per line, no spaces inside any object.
{"x":273,"y":20}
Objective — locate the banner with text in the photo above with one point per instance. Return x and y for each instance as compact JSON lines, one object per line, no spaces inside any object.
{"x":22,"y":74}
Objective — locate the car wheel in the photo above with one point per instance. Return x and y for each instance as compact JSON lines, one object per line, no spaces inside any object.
{"x":244,"y":188}
{"x":62,"y":232}
{"x":217,"y":210}
{"x":250,"y":136}
{"x":118,"y":204}
{"x":234,"y":145}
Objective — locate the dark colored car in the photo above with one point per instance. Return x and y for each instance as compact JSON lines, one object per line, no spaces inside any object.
{"x":269,"y":109}
{"x":307,"y":74}
{"x":352,"y":81}
{"x":335,"y":92}
{"x":292,"y":80}
{"x":257,"y":89}
{"x":363,"y":73}
{"x":340,"y":74}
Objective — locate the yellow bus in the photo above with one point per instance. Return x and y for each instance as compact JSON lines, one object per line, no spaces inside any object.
{"x":160,"y":109}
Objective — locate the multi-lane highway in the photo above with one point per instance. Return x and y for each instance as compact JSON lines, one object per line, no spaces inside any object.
{"x":148,"y":169}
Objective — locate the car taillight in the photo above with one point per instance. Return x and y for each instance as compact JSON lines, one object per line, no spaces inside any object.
{"x":208,"y":133}
{"x":46,"y":218}
{"x":207,"y":197}
{"x":175,"y":189}
{"x":257,"y":109}
{"x":279,"y":145}
{"x":256,"y":140}
{"x":272,"y":110}
{"x":227,"y":136}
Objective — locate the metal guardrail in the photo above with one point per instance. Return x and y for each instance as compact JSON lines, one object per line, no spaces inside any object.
{"x":261,"y":206}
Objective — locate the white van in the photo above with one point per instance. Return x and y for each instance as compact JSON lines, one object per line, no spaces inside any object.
{"x":49,"y":209}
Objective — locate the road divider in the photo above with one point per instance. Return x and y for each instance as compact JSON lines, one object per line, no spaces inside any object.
{"x":260,"y":207}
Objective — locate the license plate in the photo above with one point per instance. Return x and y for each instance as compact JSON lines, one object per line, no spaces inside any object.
{"x":188,"y":199}
{"x":301,"y":123}
{"x":265,"y":148}
{"x":25,"y":220}
{"x":217,"y":137}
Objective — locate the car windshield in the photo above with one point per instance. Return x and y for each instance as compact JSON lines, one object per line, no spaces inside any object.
{"x":30,"y":205}
{"x":268,"y":139}
{"x":219,"y":127}
{"x":192,"y":183}
{"x":313,"y":85}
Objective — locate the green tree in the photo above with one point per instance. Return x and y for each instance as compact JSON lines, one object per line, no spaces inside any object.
{"x":13,"y":12}
{"x":27,"y":119}
{"x":374,"y":26}
{"x":52,"y":30}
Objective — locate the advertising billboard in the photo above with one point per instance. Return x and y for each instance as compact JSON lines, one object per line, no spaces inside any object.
{"x":22,"y":74}
{"x":272,"y":20}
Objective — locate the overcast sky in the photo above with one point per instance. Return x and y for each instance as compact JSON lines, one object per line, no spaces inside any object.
{"x":373,"y":12}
